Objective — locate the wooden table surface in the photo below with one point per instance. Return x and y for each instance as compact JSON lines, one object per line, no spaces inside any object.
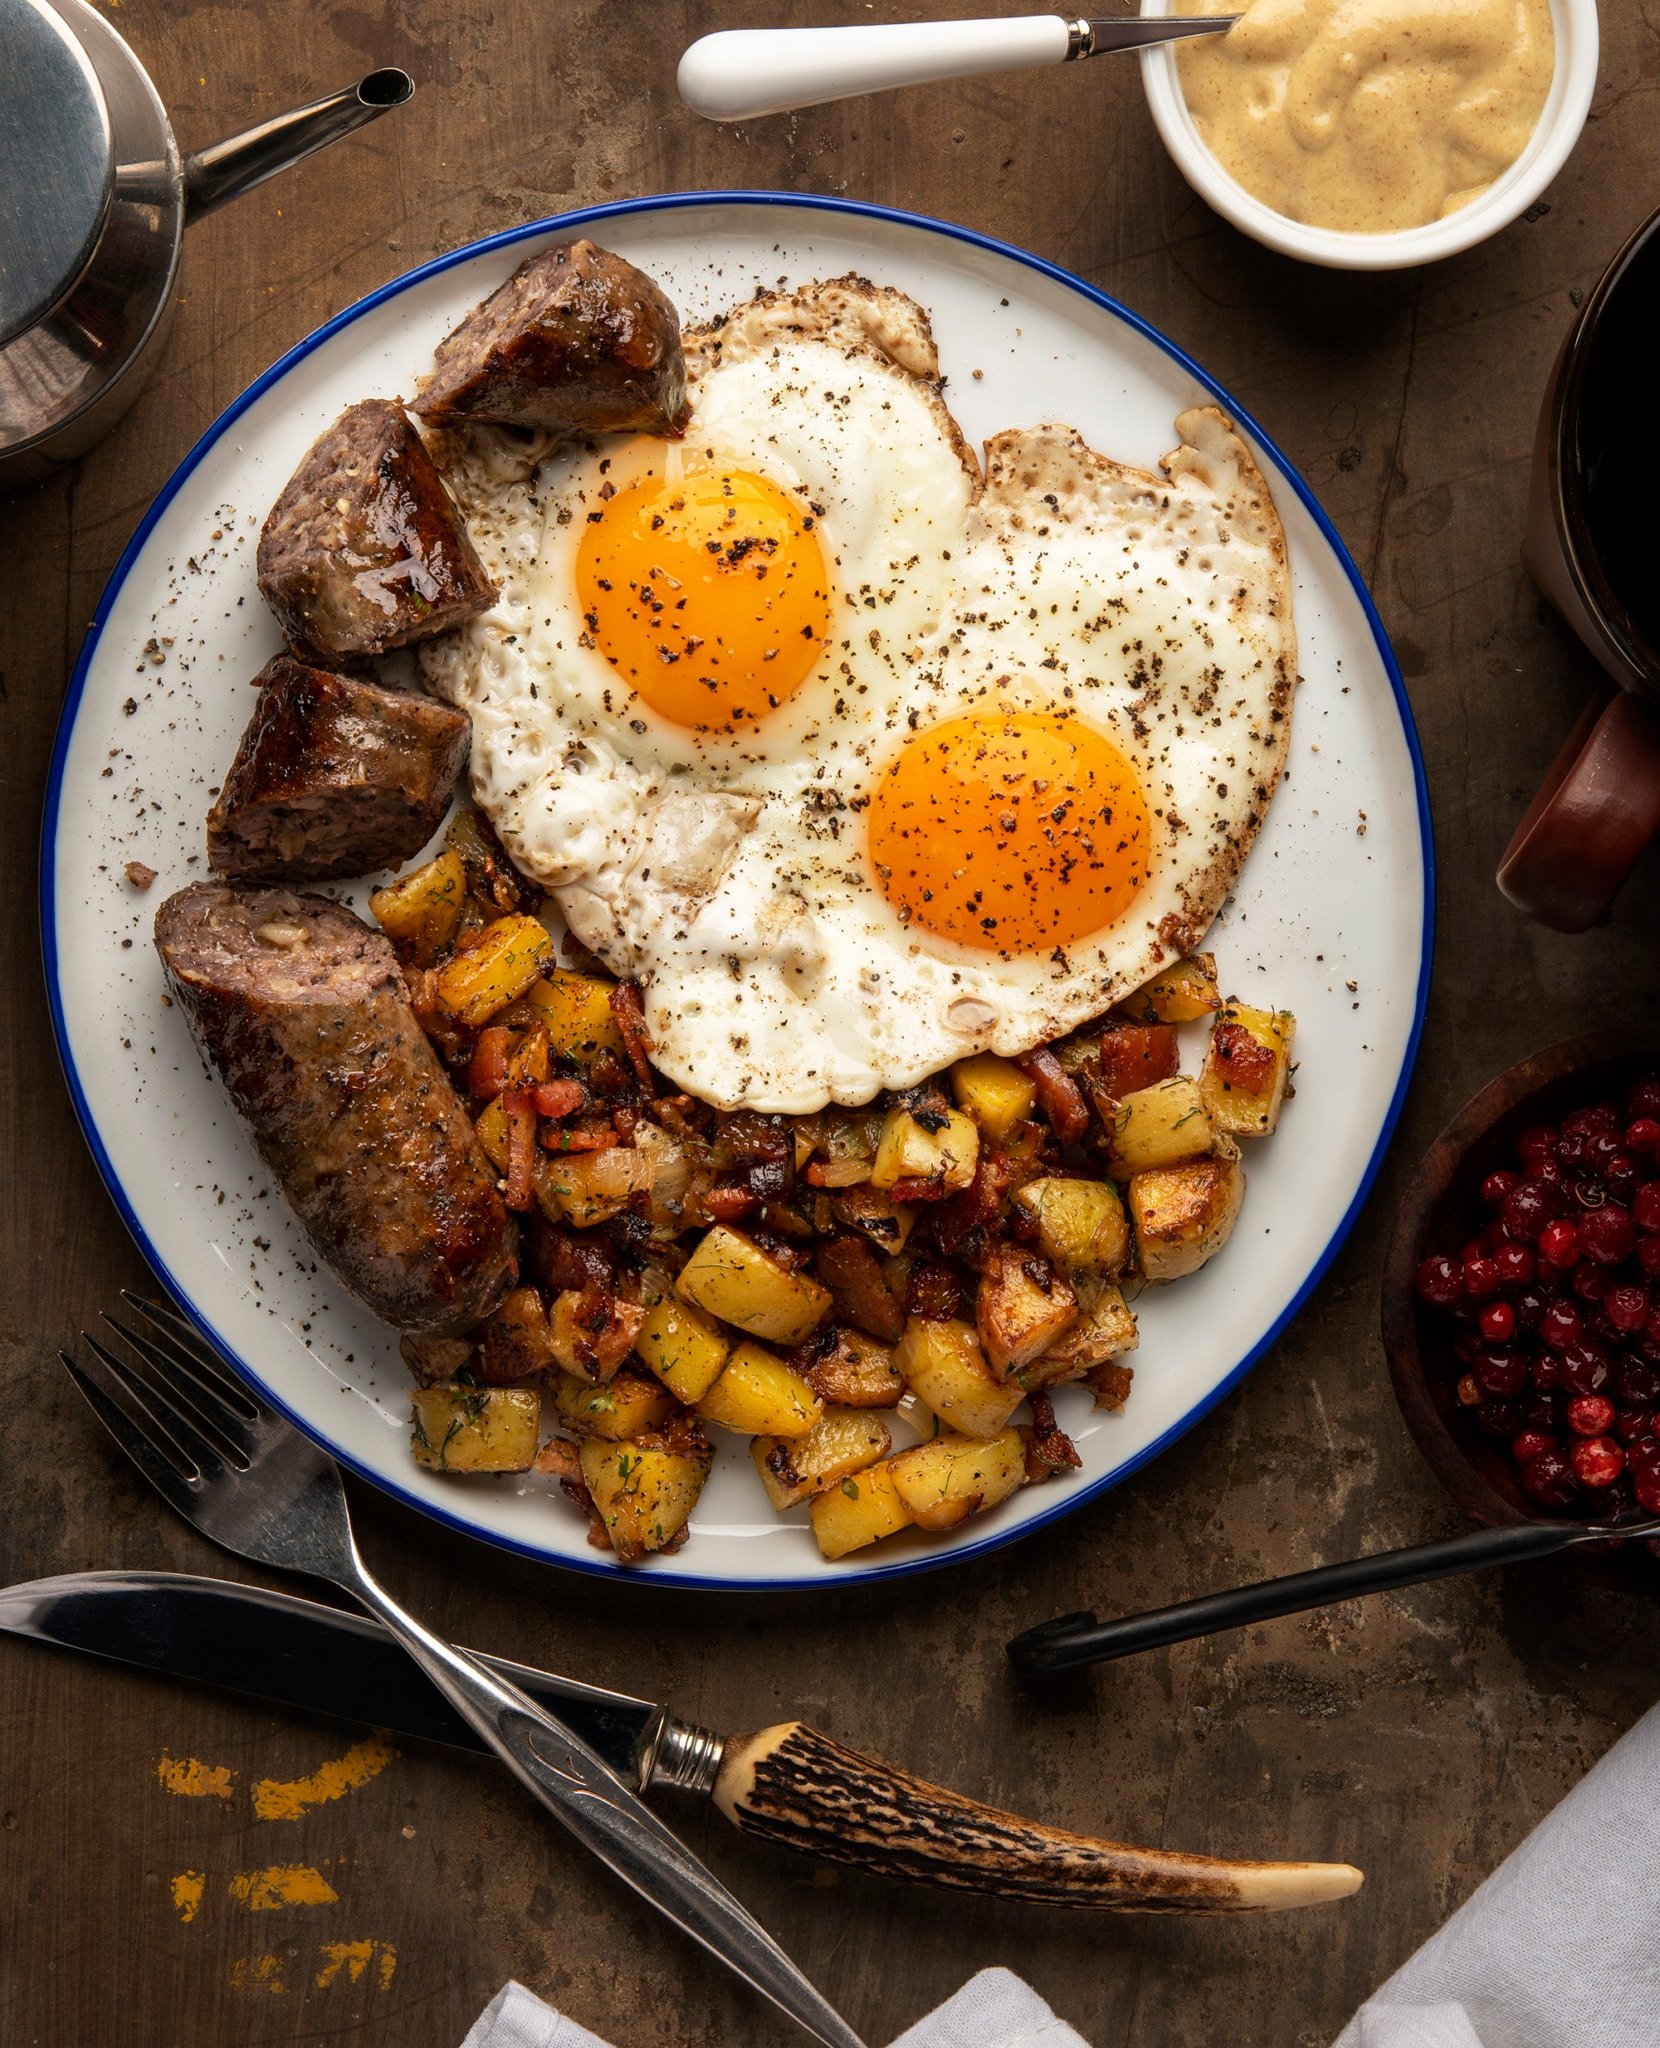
{"x":1419,"y":1735}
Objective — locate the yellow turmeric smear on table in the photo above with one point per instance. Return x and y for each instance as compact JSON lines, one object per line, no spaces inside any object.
{"x":1369,"y":116}
{"x":291,"y":1798}
{"x":282,"y":1884}
{"x":187,"y":1777}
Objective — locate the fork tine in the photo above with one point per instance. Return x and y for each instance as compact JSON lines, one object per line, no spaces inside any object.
{"x":173,"y":1485}
{"x":196,"y":1356}
{"x":161,"y":1413}
{"x":196,"y":1403}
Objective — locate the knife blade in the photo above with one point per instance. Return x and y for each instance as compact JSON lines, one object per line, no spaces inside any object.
{"x":788,"y":1785}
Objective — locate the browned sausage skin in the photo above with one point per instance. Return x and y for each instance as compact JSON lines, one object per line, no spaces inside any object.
{"x":365,"y":549}
{"x":334,"y":776}
{"x":302,"y":1012}
{"x":577,"y":341}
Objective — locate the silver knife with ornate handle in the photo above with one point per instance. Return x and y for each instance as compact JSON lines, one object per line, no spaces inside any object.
{"x":788,"y":1784}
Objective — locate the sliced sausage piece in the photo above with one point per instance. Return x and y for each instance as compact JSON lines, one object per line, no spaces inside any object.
{"x":333,"y":777}
{"x":365,"y":549}
{"x":301,"y":1011}
{"x":576,"y":341}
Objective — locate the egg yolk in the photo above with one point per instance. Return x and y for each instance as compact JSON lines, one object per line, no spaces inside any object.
{"x":1015,"y":833}
{"x":708,"y":595}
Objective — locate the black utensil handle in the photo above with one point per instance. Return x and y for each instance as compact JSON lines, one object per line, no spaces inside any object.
{"x":1080,"y":1639}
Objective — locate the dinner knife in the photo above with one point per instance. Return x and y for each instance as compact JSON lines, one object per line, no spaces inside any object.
{"x":788,"y":1784}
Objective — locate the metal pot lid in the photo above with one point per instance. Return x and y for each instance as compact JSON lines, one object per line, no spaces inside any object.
{"x":57,"y":162}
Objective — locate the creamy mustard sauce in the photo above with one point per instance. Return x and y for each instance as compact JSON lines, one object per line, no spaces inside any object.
{"x":1369,"y":115}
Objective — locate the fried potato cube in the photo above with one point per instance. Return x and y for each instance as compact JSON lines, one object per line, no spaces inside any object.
{"x":627,"y":1406}
{"x":1080,"y":1223}
{"x":683,"y":1347}
{"x":860,"y":1511}
{"x":491,"y":1132}
{"x":575,"y":1011}
{"x":506,"y":960}
{"x":759,"y":1395}
{"x":476,"y":1429}
{"x":1105,"y":1329}
{"x":944,"y":1366}
{"x":590,"y":1337}
{"x":945,"y":1482}
{"x":585,"y":1188}
{"x":514,"y":1343}
{"x":1183,"y":1215}
{"x":733,"y":1278}
{"x":1247,"y":1063}
{"x":875,"y":1215}
{"x":911,"y":1150}
{"x":1133,"y":1056}
{"x":644,"y":1493}
{"x":421,"y":912}
{"x":1021,"y":1306}
{"x":993,"y":1091}
{"x":844,"y":1441}
{"x":1177,"y":994}
{"x":1159,"y":1126}
{"x":855,"y":1371}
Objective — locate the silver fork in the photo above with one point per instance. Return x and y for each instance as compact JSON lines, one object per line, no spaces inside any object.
{"x":243,"y":1476}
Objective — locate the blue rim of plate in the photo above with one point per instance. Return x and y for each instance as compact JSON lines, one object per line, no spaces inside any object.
{"x":1074,"y":1497}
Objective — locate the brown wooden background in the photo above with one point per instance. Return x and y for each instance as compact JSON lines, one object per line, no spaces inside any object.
{"x":1420,"y":1735}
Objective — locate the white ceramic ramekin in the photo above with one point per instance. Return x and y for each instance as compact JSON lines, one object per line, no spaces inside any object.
{"x":1547,"y":151}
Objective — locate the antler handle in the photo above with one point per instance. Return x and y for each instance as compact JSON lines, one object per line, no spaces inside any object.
{"x":793,"y":1786}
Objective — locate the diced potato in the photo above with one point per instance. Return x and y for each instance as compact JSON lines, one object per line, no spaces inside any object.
{"x":855,"y":1371}
{"x":993,"y":1091}
{"x":1177,"y":994}
{"x":624,"y":1407}
{"x":421,"y":912}
{"x":1020,"y":1307}
{"x":491,"y":1131}
{"x":945,"y":1482}
{"x":683,"y":1347}
{"x":1105,"y":1329}
{"x":733,"y":1278}
{"x":909,"y":1150}
{"x":476,"y":1429}
{"x":506,"y":960}
{"x":575,"y":1011}
{"x":875,"y":1215}
{"x":759,"y":1395}
{"x":590,"y":1338}
{"x":1183,"y":1215}
{"x":514,"y":1343}
{"x":1159,"y":1126}
{"x":585,"y":1188}
{"x":845,"y":1441}
{"x":858,"y":1512}
{"x":644,"y":1493}
{"x":1247,"y":1062}
{"x":1080,"y":1223}
{"x":945,"y":1368}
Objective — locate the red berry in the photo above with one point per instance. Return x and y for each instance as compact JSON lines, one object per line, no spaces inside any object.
{"x":1545,"y":1371}
{"x":1559,"y":1242}
{"x":1598,"y":1461}
{"x":1622,"y":1176}
{"x":1440,"y":1281}
{"x":1590,"y":1282}
{"x":1643,"y":1098}
{"x":1529,"y":1305}
{"x":1585,"y":1367}
{"x":1648,"y":1256}
{"x":1643,"y":1135}
{"x":1501,"y":1372}
{"x":1542,"y":1412}
{"x":1528,"y":1443}
{"x":1549,"y":1479}
{"x":1587,"y":1122}
{"x":1538,"y":1141}
{"x":1607,"y":1234}
{"x":1590,"y":1415}
{"x":1481,"y":1277}
{"x":1601,"y":1149}
{"x":1497,"y":1419}
{"x":1515,"y":1264}
{"x":1639,"y":1384}
{"x":1561,"y":1325}
{"x":1645,"y":1205}
{"x":1626,"y":1307}
{"x":1498,"y":1322}
{"x":1631,"y":1425}
{"x":1497,"y":1185}
{"x":1643,"y":1463}
{"x":1528,"y":1207}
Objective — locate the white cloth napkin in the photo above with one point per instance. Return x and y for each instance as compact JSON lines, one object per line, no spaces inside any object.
{"x":1560,"y":1948}
{"x":992,"y":2010}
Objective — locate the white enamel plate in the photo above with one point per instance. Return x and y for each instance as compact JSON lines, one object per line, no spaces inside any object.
{"x":1331,"y":918}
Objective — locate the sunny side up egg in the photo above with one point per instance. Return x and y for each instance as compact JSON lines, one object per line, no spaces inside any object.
{"x":857,"y":758}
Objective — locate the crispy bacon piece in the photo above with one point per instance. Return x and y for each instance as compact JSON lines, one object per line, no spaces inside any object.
{"x":1048,"y":1447}
{"x":579,"y":1138}
{"x":836,"y":1173}
{"x":1059,"y":1096}
{"x":558,"y":1457}
{"x":933,"y":1292}
{"x":726,"y":1204}
{"x":1110,"y":1384}
{"x":1242,"y":1059}
{"x":557,"y":1098}
{"x":932,"y":1189}
{"x":762,"y":1148}
{"x":980,"y":1204}
{"x":849,"y":1268}
{"x":565,"y":1259}
{"x":520,"y":1110}
{"x":487,"y":1069}
{"x":1137,"y":1056}
{"x":630,"y":1014}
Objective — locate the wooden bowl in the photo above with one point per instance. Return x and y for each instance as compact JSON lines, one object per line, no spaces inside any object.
{"x":1442,"y":1207}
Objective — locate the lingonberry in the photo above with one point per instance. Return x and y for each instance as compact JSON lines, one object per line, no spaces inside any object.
{"x":1515,"y":1264}
{"x":1497,"y":1419}
{"x":1529,"y":1443}
{"x":1481,"y":1277}
{"x":1498,"y":1322}
{"x":1528,"y":1207}
{"x":1642,"y":1098}
{"x":1538,"y":1141}
{"x":1501,"y":1371}
{"x":1597,"y":1462}
{"x":1561,"y":1325}
{"x":1631,"y":1425}
{"x":1440,"y":1280}
{"x":1642,"y":1135}
{"x":1607,"y":1234}
{"x":1548,"y":1478}
{"x":1585,"y":1367}
{"x":1648,"y":1256}
{"x":1626,"y":1307}
{"x":1645,"y":1205}
{"x":1591,"y":1283}
{"x":1591,"y":1415}
{"x":1497,"y":1185}
{"x":1639,"y":1384}
{"x":1559,"y":1243}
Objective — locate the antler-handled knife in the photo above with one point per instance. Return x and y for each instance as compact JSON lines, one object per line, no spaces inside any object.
{"x":788,"y":1784}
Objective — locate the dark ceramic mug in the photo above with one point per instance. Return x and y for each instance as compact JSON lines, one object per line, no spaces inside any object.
{"x":1593,"y":525}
